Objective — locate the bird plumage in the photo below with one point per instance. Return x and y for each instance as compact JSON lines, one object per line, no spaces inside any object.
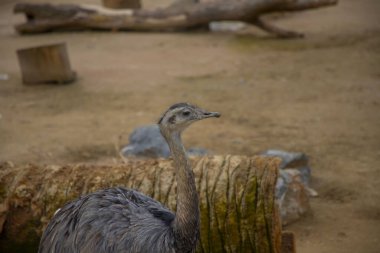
{"x":110,"y":220}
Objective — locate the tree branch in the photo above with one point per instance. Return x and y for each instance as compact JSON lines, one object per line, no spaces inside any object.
{"x":279,"y":32}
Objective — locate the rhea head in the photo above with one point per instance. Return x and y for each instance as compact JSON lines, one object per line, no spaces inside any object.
{"x":179,"y":116}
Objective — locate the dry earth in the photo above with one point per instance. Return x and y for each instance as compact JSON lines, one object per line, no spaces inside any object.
{"x":319,"y":95}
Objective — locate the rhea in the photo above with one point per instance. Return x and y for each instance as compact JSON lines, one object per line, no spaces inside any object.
{"x":125,"y":220}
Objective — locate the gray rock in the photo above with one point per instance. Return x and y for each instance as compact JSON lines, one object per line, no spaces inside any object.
{"x":289,"y":159}
{"x":294,"y":160}
{"x":197,"y":151}
{"x":4,"y":77}
{"x":292,"y":196}
{"x":147,"y":141}
{"x":292,"y":187}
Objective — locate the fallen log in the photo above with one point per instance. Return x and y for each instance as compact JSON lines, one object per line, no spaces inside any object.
{"x":181,"y":15}
{"x":122,"y":4}
{"x":237,"y":198}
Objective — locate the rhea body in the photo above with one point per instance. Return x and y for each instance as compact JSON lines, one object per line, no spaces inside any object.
{"x":125,"y":220}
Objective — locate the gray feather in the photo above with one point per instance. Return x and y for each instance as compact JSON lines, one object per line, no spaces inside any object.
{"x":110,"y":220}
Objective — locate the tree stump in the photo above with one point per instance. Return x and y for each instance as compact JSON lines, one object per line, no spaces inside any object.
{"x":237,"y":198}
{"x":45,"y":64}
{"x":122,"y":4}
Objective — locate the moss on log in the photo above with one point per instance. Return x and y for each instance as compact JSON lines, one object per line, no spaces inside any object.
{"x":238,"y":210}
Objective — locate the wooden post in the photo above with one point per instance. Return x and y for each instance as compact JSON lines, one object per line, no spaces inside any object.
{"x":45,"y":64}
{"x":122,"y":4}
{"x":288,"y":244}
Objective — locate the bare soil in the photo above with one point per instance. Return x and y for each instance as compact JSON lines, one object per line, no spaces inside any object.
{"x":319,"y":95}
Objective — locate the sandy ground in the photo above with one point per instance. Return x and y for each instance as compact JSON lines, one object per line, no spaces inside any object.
{"x":319,"y":95}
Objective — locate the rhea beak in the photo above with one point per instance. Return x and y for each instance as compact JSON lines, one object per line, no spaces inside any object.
{"x":210,"y":115}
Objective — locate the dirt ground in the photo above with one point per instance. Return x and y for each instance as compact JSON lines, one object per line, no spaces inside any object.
{"x":319,"y":95}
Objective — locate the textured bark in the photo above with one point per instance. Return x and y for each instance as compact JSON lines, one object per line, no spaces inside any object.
{"x":237,"y":201}
{"x":182,"y":14}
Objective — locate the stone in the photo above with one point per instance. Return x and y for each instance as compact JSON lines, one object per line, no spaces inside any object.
{"x":147,"y":141}
{"x":197,"y":151}
{"x":292,"y":187}
{"x":291,"y":195}
{"x":4,"y":77}
{"x":295,"y":160}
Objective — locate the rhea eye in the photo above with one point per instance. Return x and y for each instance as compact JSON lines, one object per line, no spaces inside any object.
{"x":186,"y":113}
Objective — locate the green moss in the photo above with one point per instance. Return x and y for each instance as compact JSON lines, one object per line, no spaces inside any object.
{"x":249,"y":215}
{"x":237,"y":222}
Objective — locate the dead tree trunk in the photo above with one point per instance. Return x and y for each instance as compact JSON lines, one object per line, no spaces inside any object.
{"x":237,"y":200}
{"x":183,"y":14}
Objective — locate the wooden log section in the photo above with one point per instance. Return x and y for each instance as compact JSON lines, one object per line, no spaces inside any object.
{"x":122,"y":4}
{"x":181,"y":15}
{"x":45,"y":64}
{"x":288,"y":244}
{"x":237,"y":198}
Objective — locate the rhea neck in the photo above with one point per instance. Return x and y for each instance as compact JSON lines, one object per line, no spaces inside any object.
{"x":186,"y":222}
